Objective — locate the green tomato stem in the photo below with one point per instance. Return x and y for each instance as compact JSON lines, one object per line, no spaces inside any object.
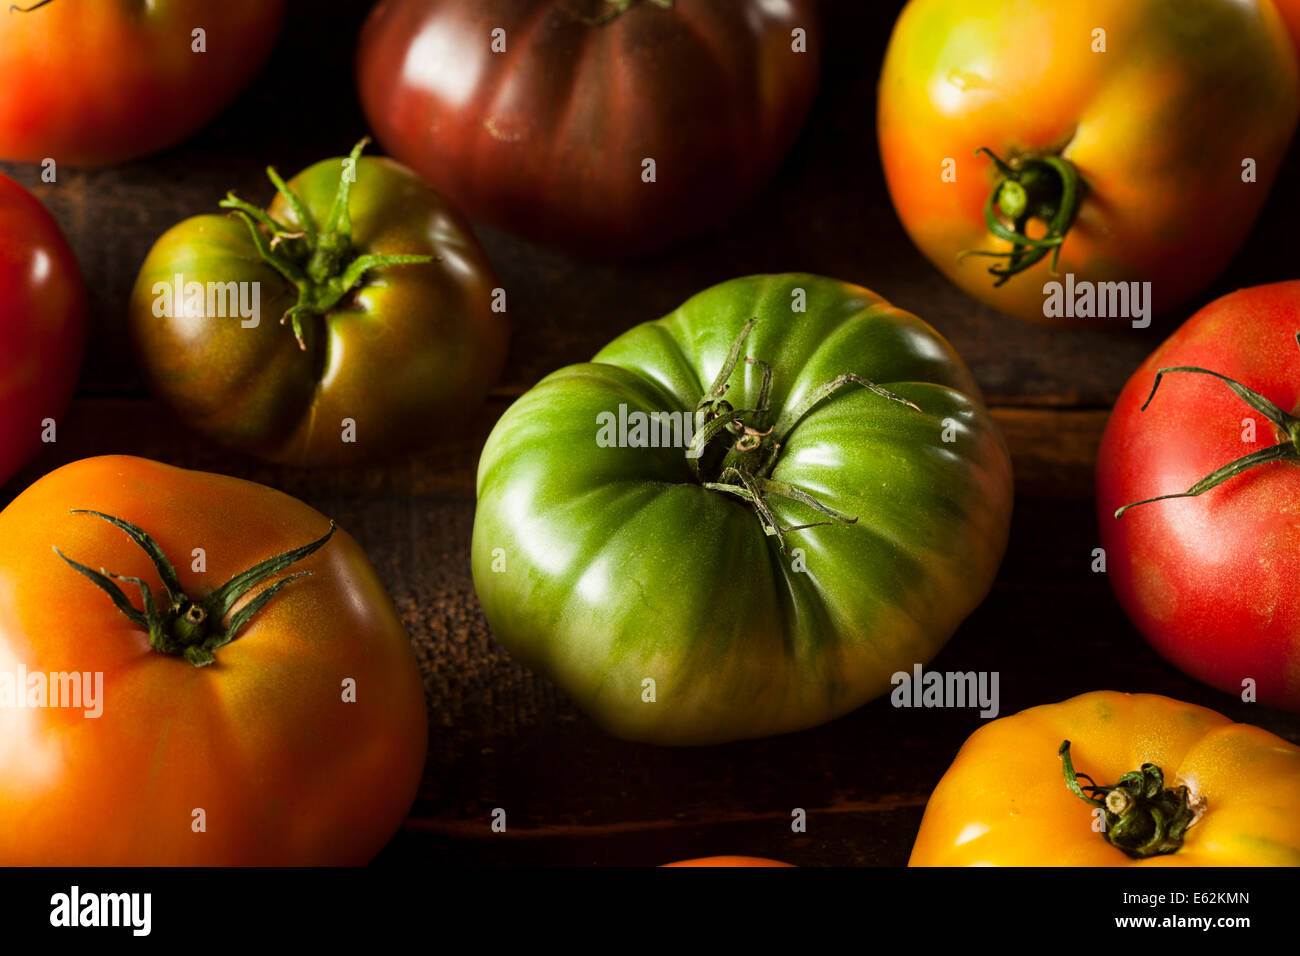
{"x":192,"y":628}
{"x":734,"y":451}
{"x":1031,"y":186}
{"x":1143,"y":817}
{"x":1286,"y":450}
{"x":319,"y":260}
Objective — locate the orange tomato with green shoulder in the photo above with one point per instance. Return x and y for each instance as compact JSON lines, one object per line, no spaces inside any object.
{"x":1128,"y":145}
{"x":196,"y":670}
{"x":1111,"y":779}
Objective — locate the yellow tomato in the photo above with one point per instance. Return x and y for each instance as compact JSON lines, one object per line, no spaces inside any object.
{"x":1005,"y":800}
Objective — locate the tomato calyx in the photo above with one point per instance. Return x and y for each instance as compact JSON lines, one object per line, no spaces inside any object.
{"x":319,"y":260}
{"x":1143,"y":817}
{"x":1032,"y":186}
{"x":735,"y":450}
{"x":619,"y":7}
{"x":1286,"y":450}
{"x":182,"y":626}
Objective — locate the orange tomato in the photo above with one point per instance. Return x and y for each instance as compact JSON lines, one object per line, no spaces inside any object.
{"x":258,"y":757}
{"x":1290,"y":10}
{"x":1153,"y":109}
{"x":729,"y":861}
{"x":1005,"y":800}
{"x":96,"y":82}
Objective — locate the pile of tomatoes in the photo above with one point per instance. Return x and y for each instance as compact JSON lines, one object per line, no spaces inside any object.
{"x":807,"y":468}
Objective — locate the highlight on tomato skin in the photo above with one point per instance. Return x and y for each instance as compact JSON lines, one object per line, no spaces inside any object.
{"x":728,"y":861}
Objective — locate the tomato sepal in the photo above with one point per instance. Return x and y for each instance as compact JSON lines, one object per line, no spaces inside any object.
{"x":1045,"y":187}
{"x":1144,"y":818}
{"x":1286,"y":450}
{"x":745,"y":467}
{"x":318,"y":260}
{"x":186,"y":627}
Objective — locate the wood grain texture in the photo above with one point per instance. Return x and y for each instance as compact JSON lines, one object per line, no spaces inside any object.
{"x":502,"y":737}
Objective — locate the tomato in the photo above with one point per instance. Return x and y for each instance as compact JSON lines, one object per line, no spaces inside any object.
{"x":1227,"y":793}
{"x":310,"y":336}
{"x":730,"y":861}
{"x":42,"y":324}
{"x":256,"y":757}
{"x":1128,"y":164}
{"x":97,"y":82}
{"x":1290,"y":10}
{"x":541,"y":115}
{"x":820,"y":517}
{"x":1206,"y":577}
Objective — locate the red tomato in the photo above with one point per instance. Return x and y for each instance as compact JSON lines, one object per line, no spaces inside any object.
{"x":729,"y":861}
{"x":96,"y":82}
{"x":42,"y":323}
{"x":293,"y":737}
{"x":1210,"y":579}
{"x":539,"y":115}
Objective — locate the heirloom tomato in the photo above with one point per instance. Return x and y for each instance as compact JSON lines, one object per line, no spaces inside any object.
{"x":1118,"y":141}
{"x":351,"y":320}
{"x":190,"y":704}
{"x":1175,"y":784}
{"x":727,"y":861}
{"x":42,"y":324}
{"x":1206,"y":571}
{"x":96,"y":82}
{"x":611,"y":127}
{"x":743,"y":518}
{"x":1290,"y":10}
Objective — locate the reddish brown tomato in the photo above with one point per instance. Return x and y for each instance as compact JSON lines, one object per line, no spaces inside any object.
{"x":42,"y":324}
{"x":262,"y":746}
{"x":541,"y":115}
{"x":1210,"y":579}
{"x":97,"y":82}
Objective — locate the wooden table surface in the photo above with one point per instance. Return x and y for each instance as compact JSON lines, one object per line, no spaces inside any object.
{"x":501,"y":736}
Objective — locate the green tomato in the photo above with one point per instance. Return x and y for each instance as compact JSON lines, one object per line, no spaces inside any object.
{"x":847,"y":505}
{"x":351,"y":320}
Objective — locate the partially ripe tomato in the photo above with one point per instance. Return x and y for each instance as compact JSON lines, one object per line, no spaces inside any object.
{"x":206,"y":715}
{"x":354,"y":318}
{"x":1117,"y":142}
